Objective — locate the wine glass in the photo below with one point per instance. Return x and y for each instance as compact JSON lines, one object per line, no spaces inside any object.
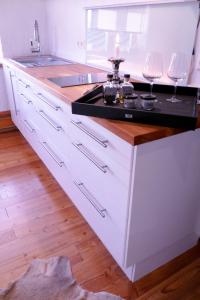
{"x":198,"y":96}
{"x":177,"y":72}
{"x":153,"y":69}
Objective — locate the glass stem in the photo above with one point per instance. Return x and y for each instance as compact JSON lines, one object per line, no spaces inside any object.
{"x":151,"y":88}
{"x":198,"y":96}
{"x":175,"y":89}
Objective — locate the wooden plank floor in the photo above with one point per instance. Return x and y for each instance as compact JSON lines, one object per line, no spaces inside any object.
{"x":6,"y":123}
{"x":37,"y":219}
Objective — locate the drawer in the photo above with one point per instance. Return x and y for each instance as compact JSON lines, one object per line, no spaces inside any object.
{"x":100,"y":219}
{"x":105,"y":144}
{"x":22,"y":84}
{"x":24,"y":87}
{"x":57,"y":164}
{"x":25,"y":94}
{"x":55,"y":150}
{"x":53,"y":131}
{"x":48,"y":126}
{"x":42,"y":98}
{"x":28,"y":113}
{"x":26,"y":103}
{"x":56,"y":108}
{"x":109,"y":183}
{"x":29,"y":130}
{"x":81,"y":150}
{"x":33,"y":122}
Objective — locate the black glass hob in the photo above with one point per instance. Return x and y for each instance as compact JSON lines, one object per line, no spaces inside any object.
{"x":81,"y":79}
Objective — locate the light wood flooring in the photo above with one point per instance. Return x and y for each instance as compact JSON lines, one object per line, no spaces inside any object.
{"x":37,"y":219}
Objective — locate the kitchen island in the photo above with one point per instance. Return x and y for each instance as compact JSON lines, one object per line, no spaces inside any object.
{"x":136,"y":185}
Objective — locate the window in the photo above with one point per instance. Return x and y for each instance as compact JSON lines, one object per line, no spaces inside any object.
{"x":131,"y":31}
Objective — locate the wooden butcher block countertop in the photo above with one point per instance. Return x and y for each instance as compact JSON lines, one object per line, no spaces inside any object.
{"x":133,"y":133}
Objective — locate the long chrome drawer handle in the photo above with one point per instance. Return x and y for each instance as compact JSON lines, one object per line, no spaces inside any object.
{"x":89,"y":155}
{"x":90,"y":198}
{"x":28,"y":126}
{"x":23,"y":83}
{"x":45,"y":117}
{"x":52,"y":154}
{"x":45,"y":100}
{"x":28,"y":101}
{"x":81,"y":126}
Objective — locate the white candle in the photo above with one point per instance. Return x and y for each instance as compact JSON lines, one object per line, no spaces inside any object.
{"x":117,"y":46}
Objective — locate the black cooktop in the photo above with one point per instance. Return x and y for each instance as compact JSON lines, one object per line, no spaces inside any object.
{"x":79,"y":79}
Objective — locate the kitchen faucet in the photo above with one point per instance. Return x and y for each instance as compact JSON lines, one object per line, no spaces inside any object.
{"x":35,"y":43}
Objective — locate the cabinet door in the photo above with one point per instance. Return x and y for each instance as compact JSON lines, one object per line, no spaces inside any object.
{"x":197,"y":227}
{"x":13,"y":95}
{"x":103,"y":180}
{"x":164,"y":198}
{"x":10,"y":92}
{"x":100,"y":219}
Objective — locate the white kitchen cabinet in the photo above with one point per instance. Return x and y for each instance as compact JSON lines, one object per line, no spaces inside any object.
{"x":100,"y":218}
{"x":197,"y":227}
{"x":42,"y":133}
{"x":107,"y":145}
{"x":142,"y":201}
{"x":152,"y":192}
{"x":165,"y":191}
{"x":47,"y":115}
{"x":102,"y":178}
{"x":103,"y":162}
{"x":54,"y":162}
{"x":4,"y":106}
{"x":10,"y":79}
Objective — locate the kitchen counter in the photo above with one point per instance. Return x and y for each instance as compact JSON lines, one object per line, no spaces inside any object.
{"x":115,"y":185}
{"x":133,"y":133}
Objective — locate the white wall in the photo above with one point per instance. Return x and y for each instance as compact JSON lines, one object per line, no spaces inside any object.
{"x":16,"y":29}
{"x":66,"y":23}
{"x":16,"y":25}
{"x":195,"y":76}
{"x":62,"y":27}
{"x":166,"y":38}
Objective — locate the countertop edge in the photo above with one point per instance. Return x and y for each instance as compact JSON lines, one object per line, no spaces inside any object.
{"x":155,"y":133}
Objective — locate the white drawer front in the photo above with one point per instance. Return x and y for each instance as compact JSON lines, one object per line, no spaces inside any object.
{"x":22,"y":83}
{"x":43,"y":98}
{"x":53,"y":147}
{"x":107,"y":182}
{"x":56,"y":108}
{"x":56,"y":164}
{"x":107,"y":145}
{"x":47,"y":121}
{"x":99,"y":219}
{"x":53,"y":131}
{"x":28,"y":114}
{"x":29,"y":130}
{"x":90,"y":163}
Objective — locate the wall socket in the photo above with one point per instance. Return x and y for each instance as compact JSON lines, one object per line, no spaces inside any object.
{"x":81,"y":44}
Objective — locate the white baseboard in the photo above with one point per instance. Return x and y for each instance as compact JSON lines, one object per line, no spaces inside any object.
{"x":142,"y":268}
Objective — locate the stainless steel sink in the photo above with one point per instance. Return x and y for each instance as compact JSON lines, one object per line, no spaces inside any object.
{"x":41,"y":61}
